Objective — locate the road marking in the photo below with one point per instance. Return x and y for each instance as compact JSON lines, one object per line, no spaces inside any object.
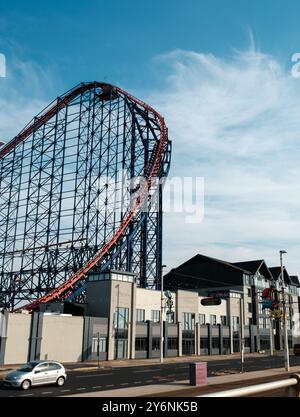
{"x":92,"y":375}
{"x":125,"y":383}
{"x":80,"y":389}
{"x":47,"y":392}
{"x":149,"y":380}
{"x":65,"y":390}
{"x":146,"y":370}
{"x":137,"y":382}
{"x":99,"y":386}
{"x":24,"y":395}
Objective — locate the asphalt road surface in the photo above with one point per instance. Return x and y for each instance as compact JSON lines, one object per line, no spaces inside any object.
{"x":82,"y":381}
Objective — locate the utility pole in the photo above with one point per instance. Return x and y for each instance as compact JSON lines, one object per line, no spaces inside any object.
{"x":98,"y":349}
{"x":161,"y":314}
{"x":271,"y":334}
{"x":285,"y":332}
{"x":242,"y":335}
{"x":273,"y":288}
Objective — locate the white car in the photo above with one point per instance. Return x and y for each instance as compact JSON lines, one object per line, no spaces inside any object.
{"x":36,"y":373}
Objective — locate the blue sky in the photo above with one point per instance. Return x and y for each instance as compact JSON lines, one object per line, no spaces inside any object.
{"x":218,"y":70}
{"x":117,"y":40}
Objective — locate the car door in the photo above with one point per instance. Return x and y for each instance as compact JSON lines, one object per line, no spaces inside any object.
{"x":40,"y":374}
{"x":54,"y":370}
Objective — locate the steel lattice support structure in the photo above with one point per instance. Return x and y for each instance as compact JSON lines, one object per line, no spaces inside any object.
{"x":69,"y":199}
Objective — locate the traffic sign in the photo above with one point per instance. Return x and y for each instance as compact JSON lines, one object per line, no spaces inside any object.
{"x":211,"y":301}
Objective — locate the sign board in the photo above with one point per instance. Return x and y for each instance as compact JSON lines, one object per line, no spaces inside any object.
{"x":211,"y":301}
{"x":220,"y":294}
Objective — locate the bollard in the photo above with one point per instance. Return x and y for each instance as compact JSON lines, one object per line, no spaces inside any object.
{"x":293,"y":391}
{"x":198,"y":373}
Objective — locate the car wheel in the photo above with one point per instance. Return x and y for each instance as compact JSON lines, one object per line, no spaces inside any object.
{"x":26,"y":384}
{"x":60,"y":381}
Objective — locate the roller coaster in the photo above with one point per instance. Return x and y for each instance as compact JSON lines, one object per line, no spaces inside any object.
{"x":81,"y":191}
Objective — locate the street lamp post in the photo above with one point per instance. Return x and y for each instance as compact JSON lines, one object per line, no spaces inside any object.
{"x":285,"y":333}
{"x":161,"y":315}
{"x":271,"y":334}
{"x":242,"y":333}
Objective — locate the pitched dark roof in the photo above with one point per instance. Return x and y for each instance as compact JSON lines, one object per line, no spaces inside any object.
{"x":295,"y":280}
{"x":204,"y":272}
{"x":252,"y":266}
{"x":276,"y":272}
{"x":255,"y":266}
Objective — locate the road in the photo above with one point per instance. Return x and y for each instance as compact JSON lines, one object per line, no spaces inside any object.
{"x":110,"y":377}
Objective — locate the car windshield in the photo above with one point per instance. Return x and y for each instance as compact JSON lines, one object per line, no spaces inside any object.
{"x":28,"y":367}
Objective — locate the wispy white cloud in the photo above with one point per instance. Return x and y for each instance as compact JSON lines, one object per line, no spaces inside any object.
{"x":236,"y":122}
{"x":24,"y":92}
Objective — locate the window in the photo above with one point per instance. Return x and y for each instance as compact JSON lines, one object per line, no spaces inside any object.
{"x":204,"y":343}
{"x":122,"y":277}
{"x":102,"y":344}
{"x":247,"y":279}
{"x":54,"y":367}
{"x":155,"y":343}
{"x":235,"y":295}
{"x":235,"y":323}
{"x":247,"y":342}
{"x":224,"y":320}
{"x":226,"y":344}
{"x":188,"y":321}
{"x":140,"y":315}
{"x":213,"y":319}
{"x":188,"y":345}
{"x":249,"y":292}
{"x":260,"y":310}
{"x":202,"y":319}
{"x":249,"y":308}
{"x":155,"y":316}
{"x":41,"y":368}
{"x":215,"y":343}
{"x":250,"y":321}
{"x":172,"y":343}
{"x":121,"y":318}
{"x":141,"y":344}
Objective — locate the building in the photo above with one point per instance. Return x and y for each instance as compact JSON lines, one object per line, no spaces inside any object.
{"x":202,"y":273}
{"x":121,"y":320}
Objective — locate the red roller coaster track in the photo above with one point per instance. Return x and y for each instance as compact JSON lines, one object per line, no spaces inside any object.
{"x":58,"y":292}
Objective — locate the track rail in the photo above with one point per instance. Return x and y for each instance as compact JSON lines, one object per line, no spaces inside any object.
{"x":153,"y":171}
